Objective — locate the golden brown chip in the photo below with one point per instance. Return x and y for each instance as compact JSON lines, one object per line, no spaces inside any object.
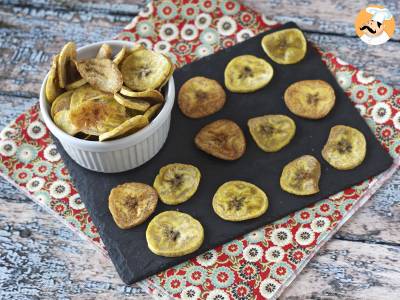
{"x":102,"y":74}
{"x":173,"y":233}
{"x":150,"y":94}
{"x":346,"y":147}
{"x":119,"y":57}
{"x":62,"y":102}
{"x":177,"y":183}
{"x":105,"y":51}
{"x":247,"y":73}
{"x":53,"y":89}
{"x":200,"y":97}
{"x":66,"y":67}
{"x":132,"y":203}
{"x":223,"y":139}
{"x":132,"y":103}
{"x":171,"y":71}
{"x":145,"y":70}
{"x":128,"y":127}
{"x":311,"y":99}
{"x":151,"y":112}
{"x":76,"y":84}
{"x":84,"y":93}
{"x":301,"y":176}
{"x":98,"y":116}
{"x":63,"y":121}
{"x":287,"y":46}
{"x":272,"y":132}
{"x":239,"y":200}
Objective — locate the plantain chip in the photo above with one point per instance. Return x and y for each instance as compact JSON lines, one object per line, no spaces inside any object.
{"x":200,"y":97}
{"x":102,"y":74}
{"x":223,"y":139}
{"x":171,"y":71}
{"x":63,"y":121}
{"x":287,"y":46}
{"x":151,"y":112}
{"x":119,"y":57}
{"x":239,"y":200}
{"x":150,"y":94}
{"x":105,"y":51}
{"x":132,"y":103}
{"x":310,"y":99}
{"x":173,"y":233}
{"x":346,"y":147}
{"x":177,"y":183}
{"x":301,"y":176}
{"x":131,"y":204}
{"x":62,"y":102}
{"x":145,"y":70}
{"x":66,"y":67}
{"x":272,"y":132}
{"x":84,"y":93}
{"x":97,"y":116}
{"x":53,"y":89}
{"x":129,"y":126}
{"x":76,"y":84}
{"x":247,"y":73}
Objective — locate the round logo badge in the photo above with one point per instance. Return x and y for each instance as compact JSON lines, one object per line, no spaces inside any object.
{"x":375,"y":25}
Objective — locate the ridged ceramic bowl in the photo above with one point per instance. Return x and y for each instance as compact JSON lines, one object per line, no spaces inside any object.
{"x":116,"y":155}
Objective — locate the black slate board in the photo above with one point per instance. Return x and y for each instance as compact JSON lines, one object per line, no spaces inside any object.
{"x":128,"y":249}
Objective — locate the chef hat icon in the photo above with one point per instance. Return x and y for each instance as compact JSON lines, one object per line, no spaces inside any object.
{"x":379,"y":14}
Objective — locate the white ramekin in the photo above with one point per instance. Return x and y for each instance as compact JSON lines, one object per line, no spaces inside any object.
{"x":117,"y":155}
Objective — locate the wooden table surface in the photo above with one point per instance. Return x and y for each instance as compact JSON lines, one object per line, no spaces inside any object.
{"x":41,"y":259}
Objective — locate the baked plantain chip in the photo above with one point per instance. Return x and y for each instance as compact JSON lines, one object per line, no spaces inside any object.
{"x":62,"y":102}
{"x":177,"y":183}
{"x":346,"y":147}
{"x":171,"y":71}
{"x":66,"y":66}
{"x":76,"y":84}
{"x":145,"y":70}
{"x":53,"y":89}
{"x":105,"y":51}
{"x":63,"y":121}
{"x":102,"y":74}
{"x":98,"y":116}
{"x":150,"y":94}
{"x":223,"y":139}
{"x":132,"y":203}
{"x":151,"y":112}
{"x":287,"y":46}
{"x":84,"y":93}
{"x":311,"y":99}
{"x":301,"y":176}
{"x":173,"y":233}
{"x":129,"y":126}
{"x":272,"y":132}
{"x":119,"y":57}
{"x":247,"y":73}
{"x":132,"y":103}
{"x":239,"y":200}
{"x":200,"y":97}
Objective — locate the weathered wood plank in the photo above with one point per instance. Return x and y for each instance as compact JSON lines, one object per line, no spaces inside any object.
{"x":379,"y":220}
{"x":38,"y":29}
{"x":349,"y":270}
{"x":41,"y":259}
{"x":328,"y":17}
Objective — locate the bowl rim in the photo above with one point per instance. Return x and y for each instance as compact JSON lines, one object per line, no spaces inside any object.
{"x":120,"y":143}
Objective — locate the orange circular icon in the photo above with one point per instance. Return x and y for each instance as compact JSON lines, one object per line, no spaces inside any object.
{"x":375,"y":25}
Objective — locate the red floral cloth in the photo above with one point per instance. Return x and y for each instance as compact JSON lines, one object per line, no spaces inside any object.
{"x":260,"y":264}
